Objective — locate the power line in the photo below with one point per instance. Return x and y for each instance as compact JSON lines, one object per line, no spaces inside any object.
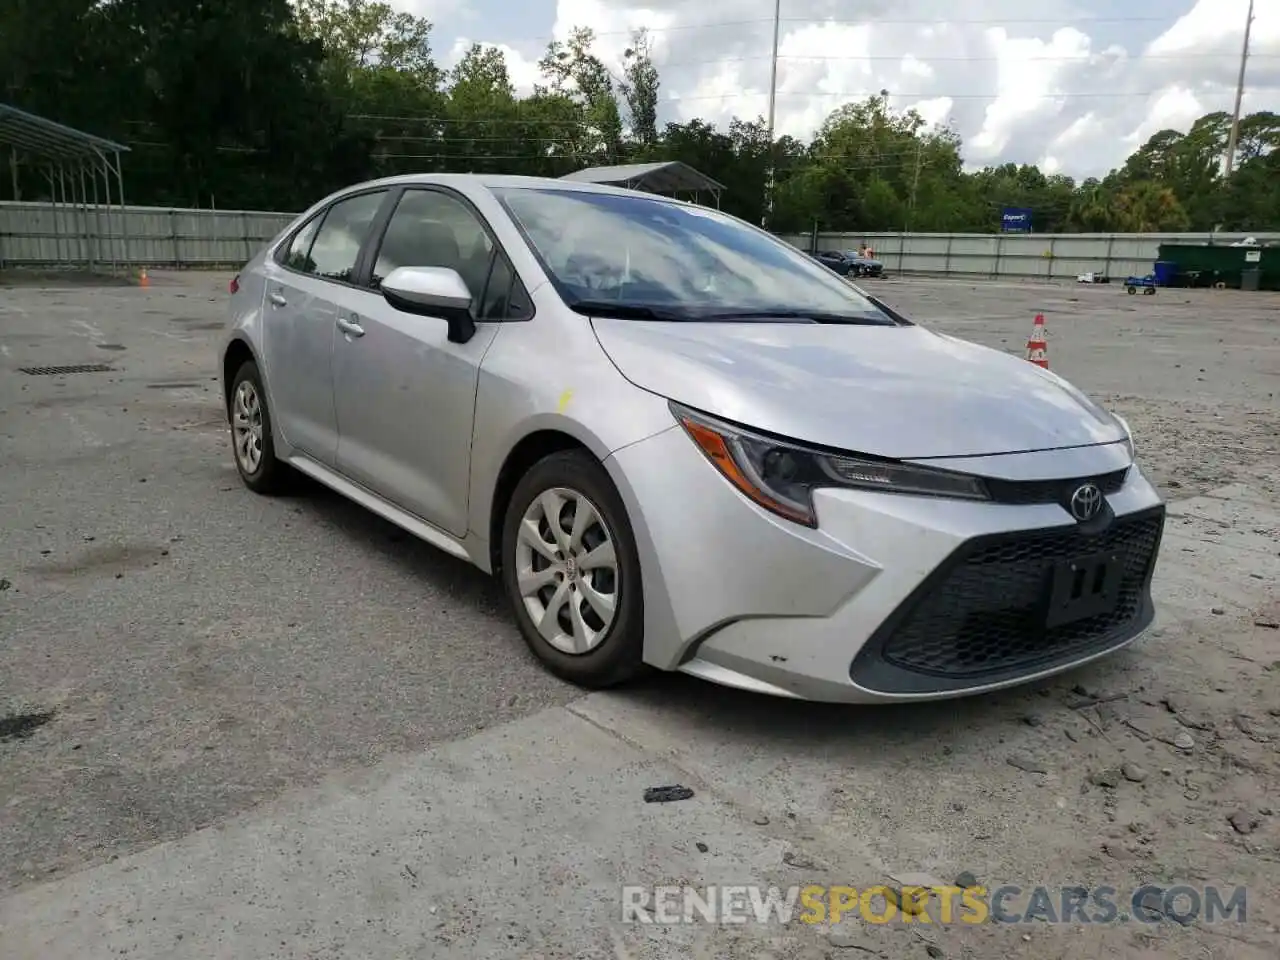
{"x":900,"y":159}
{"x":848,"y":95}
{"x":842,"y":22}
{"x":1087,"y":58}
{"x":936,"y":95}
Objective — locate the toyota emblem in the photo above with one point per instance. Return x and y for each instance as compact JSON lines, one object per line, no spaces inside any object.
{"x":1086,"y":502}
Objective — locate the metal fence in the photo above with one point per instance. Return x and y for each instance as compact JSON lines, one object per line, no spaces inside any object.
{"x":42,"y":235}
{"x":1030,"y":256}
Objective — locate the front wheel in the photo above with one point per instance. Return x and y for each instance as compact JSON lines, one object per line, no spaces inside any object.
{"x":571,"y":571}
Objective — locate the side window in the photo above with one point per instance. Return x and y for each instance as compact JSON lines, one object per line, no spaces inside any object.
{"x":432,"y":229}
{"x":297,"y":255}
{"x":337,"y":244}
{"x":504,"y":295}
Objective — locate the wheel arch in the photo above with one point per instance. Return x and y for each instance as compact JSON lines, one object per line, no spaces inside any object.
{"x":234,"y":355}
{"x":528,"y":450}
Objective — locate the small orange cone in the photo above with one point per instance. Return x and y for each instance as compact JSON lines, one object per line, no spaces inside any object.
{"x":1037,"y":346}
{"x":143,"y":281}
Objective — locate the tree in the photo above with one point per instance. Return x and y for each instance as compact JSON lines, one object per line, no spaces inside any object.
{"x":1259,"y":135}
{"x":640,"y":88}
{"x":271,"y":103}
{"x":577,"y":73}
{"x":361,"y":35}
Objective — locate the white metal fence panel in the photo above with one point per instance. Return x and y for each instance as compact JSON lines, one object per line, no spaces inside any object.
{"x":1043,"y":256}
{"x":39,"y":234}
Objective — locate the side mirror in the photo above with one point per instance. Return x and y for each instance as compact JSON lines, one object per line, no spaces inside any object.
{"x":432,"y":292}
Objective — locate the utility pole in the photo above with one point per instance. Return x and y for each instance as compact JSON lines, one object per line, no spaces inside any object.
{"x":770,"y":173}
{"x":915,"y":185}
{"x":1235,"y":117}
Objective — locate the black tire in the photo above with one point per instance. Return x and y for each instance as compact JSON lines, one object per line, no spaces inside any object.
{"x":1131,"y":290}
{"x":270,"y":476}
{"x":617,"y":657}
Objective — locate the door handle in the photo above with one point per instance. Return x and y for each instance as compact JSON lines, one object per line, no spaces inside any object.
{"x":277,"y":299}
{"x":350,"y":327}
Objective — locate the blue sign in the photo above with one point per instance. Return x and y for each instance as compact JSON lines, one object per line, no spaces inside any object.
{"x":1015,"y":220}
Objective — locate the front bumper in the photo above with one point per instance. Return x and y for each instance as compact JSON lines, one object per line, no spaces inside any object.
{"x":892,"y":598}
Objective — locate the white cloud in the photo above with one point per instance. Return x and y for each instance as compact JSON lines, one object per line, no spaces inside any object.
{"x":1176,"y":107}
{"x":1075,"y":93}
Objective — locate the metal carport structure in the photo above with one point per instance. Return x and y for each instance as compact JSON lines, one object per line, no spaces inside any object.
{"x":74,"y":164}
{"x":670,"y":177}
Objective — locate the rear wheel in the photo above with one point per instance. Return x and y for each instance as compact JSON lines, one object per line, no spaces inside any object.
{"x":571,"y":571}
{"x":255,"y":453}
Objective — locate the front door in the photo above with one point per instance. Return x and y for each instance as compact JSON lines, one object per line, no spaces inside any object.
{"x":299,"y":321}
{"x":405,"y":394}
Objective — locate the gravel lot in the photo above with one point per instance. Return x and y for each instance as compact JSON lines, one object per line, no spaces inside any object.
{"x":186,"y":651}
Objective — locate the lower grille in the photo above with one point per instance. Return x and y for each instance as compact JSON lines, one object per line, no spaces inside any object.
{"x":981,"y":616}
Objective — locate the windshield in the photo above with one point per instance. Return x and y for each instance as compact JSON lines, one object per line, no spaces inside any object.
{"x":662,"y":260}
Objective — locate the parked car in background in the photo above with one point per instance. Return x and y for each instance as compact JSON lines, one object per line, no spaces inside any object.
{"x":680,"y":442}
{"x":850,"y":263}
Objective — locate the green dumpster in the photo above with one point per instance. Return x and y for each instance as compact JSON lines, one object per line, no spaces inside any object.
{"x":1208,"y":264}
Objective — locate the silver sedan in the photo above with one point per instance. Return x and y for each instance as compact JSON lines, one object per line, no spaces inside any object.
{"x":682,"y":443}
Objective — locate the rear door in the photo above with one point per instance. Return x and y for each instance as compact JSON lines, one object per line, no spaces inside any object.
{"x":303,"y":283}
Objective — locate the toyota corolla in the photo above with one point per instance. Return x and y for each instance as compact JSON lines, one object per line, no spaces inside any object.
{"x":682,"y":443}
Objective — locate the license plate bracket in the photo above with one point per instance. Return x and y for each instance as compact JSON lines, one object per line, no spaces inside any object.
{"x":1086,"y":586}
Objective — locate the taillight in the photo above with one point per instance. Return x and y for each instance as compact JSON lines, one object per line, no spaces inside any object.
{"x":234,"y":286}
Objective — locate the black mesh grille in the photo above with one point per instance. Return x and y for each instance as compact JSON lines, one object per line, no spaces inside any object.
{"x":982,"y":615}
{"x":1052,"y":491}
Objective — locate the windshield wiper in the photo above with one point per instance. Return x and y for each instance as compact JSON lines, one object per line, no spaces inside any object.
{"x":813,"y":316}
{"x":625,"y":311}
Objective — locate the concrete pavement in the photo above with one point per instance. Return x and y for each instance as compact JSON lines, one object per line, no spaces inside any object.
{"x":516,"y":841}
{"x":282,"y":730}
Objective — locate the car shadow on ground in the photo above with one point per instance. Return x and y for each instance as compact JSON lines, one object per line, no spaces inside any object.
{"x":762,"y":718}
{"x":361,"y":528}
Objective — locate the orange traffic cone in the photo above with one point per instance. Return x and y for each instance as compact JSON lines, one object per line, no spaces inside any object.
{"x":1037,"y":346}
{"x":143,"y":281}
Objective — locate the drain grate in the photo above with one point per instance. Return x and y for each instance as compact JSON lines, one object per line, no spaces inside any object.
{"x":64,"y":370}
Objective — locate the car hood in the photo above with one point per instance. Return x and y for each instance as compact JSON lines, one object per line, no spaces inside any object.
{"x":900,"y":392}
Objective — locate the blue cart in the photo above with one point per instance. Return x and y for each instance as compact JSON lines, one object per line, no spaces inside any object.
{"x":1147,"y":284}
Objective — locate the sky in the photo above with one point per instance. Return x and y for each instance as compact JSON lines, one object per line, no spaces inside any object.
{"x":1071,"y":85}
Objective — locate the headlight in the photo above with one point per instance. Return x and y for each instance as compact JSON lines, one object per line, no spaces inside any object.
{"x":782,"y":476}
